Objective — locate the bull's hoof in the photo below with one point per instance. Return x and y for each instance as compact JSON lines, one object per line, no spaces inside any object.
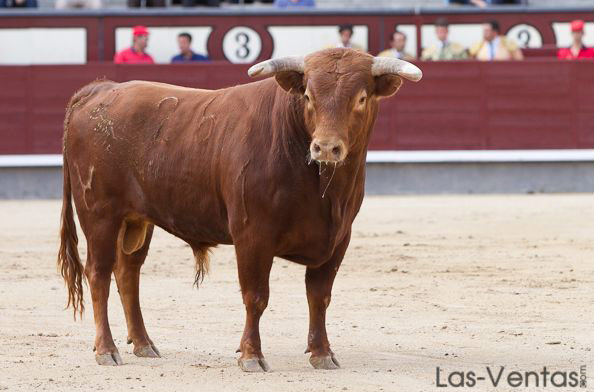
{"x":149,"y":351}
{"x":327,"y":362}
{"x":109,"y":359}
{"x":253,"y":365}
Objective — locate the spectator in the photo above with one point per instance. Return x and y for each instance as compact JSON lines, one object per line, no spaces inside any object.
{"x":494,"y":46}
{"x":18,"y":3}
{"x":146,"y":3}
{"x":184,"y":40}
{"x":577,"y":50}
{"x":445,"y":50}
{"x":206,"y":3}
{"x":346,"y":33}
{"x":136,"y":54}
{"x":89,"y":4}
{"x":478,"y":3}
{"x":485,"y":3}
{"x":294,"y":3}
{"x":397,"y":45}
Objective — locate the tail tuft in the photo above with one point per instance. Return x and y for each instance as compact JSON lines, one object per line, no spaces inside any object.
{"x":202,"y":263}
{"x":69,"y":264}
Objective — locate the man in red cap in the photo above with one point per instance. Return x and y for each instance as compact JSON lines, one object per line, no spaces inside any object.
{"x":136,"y":54}
{"x":577,"y":50}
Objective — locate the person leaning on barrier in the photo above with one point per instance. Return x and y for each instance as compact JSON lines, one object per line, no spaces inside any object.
{"x":577,"y":50}
{"x":396,"y":49}
{"x":495,"y":47}
{"x":184,"y":40}
{"x":445,"y":49}
{"x":135,"y":54}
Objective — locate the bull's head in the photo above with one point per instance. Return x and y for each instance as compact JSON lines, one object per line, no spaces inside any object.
{"x":340,"y":89}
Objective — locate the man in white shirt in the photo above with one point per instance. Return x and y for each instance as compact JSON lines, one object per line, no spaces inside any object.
{"x":397,"y":45}
{"x":346,"y":33}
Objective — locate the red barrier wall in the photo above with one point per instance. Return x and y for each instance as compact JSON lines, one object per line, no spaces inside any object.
{"x":536,"y":104}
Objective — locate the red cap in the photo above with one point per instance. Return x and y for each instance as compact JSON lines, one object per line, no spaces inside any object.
{"x":141,"y":30}
{"x":577,"y":25}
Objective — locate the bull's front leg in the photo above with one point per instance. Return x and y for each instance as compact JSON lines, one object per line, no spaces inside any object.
{"x":318,"y":283}
{"x":254,"y":272}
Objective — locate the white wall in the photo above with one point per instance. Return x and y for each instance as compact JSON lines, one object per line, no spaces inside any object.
{"x":68,"y":45}
{"x":43,"y":46}
{"x":301,"y":40}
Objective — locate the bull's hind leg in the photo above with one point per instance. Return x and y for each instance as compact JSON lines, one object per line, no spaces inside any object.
{"x":254,"y":272}
{"x":132,"y":250}
{"x":101,"y":240}
{"x":318,"y":283}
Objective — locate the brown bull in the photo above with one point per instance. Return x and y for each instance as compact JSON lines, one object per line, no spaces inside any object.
{"x":231,"y":166}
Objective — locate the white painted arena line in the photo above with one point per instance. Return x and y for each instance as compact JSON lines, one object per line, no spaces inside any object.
{"x":429,"y":156}
{"x":419,"y":156}
{"x":31,"y":160}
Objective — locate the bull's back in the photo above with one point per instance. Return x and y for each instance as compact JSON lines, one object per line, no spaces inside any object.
{"x":150,"y":149}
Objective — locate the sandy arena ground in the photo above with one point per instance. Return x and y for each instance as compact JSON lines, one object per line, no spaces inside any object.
{"x":459,"y":282}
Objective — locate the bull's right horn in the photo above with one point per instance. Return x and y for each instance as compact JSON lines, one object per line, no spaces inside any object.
{"x":272,"y":66}
{"x":387,"y":65}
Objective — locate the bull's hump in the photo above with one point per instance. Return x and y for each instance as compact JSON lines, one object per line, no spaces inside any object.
{"x":161,"y":86}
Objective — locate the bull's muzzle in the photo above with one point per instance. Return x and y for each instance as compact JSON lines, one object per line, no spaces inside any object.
{"x":328,"y":150}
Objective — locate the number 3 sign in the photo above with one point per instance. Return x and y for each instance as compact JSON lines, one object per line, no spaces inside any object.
{"x":242,"y":45}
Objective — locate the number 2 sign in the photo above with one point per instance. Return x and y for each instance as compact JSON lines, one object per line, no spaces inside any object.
{"x":525,"y":35}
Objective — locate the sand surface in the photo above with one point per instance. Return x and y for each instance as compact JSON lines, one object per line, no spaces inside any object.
{"x":459,"y":282}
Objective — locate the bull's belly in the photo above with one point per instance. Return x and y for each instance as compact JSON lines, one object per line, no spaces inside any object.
{"x":196,"y":228}
{"x":314,"y":250}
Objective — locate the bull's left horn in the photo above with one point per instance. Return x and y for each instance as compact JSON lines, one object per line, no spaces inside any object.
{"x":272,"y":66}
{"x":387,"y":65}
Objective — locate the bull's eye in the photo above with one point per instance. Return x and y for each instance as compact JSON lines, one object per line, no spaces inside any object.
{"x":361,"y":100}
{"x":306,"y":98}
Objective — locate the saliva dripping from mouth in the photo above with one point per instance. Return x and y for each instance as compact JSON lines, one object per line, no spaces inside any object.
{"x":321,"y":171}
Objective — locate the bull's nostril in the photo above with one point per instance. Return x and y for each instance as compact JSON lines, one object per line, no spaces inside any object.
{"x":336,"y":151}
{"x":316,"y":148}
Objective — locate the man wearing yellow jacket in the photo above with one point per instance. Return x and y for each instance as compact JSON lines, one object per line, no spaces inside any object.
{"x":445,"y":49}
{"x":495,"y":47}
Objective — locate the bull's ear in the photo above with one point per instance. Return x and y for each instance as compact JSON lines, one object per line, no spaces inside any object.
{"x":387,"y":85}
{"x":388,"y":73}
{"x":290,"y":81}
{"x":288,"y":72}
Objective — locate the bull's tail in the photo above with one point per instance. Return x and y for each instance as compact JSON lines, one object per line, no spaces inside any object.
{"x":69,"y":263}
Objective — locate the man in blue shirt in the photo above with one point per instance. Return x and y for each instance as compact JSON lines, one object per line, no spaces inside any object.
{"x":184,"y":41}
